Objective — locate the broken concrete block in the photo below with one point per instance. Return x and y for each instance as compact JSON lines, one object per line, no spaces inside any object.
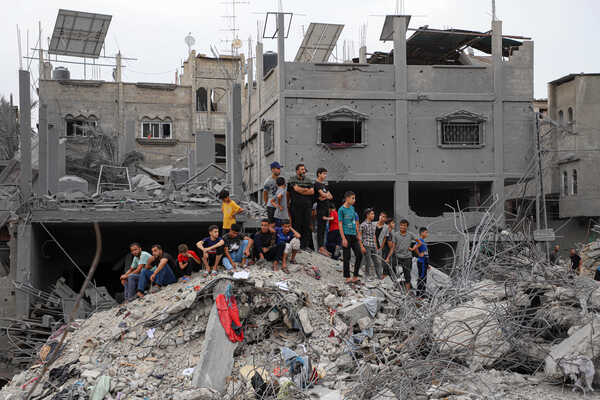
{"x":364,"y":323}
{"x":91,"y":374}
{"x":353,"y":313}
{"x":331,"y":301}
{"x":305,"y":321}
{"x":72,"y":183}
{"x":216,"y":359}
{"x":184,"y":303}
{"x":584,"y":341}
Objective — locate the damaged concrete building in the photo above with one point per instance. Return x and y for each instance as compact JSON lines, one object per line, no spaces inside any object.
{"x":425,"y":125}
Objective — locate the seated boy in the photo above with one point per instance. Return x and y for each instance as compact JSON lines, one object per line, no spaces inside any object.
{"x":265,"y":244}
{"x":212,"y":248}
{"x":188,"y":262}
{"x":289,"y":241}
{"x":237,"y":248}
{"x":158,"y":270}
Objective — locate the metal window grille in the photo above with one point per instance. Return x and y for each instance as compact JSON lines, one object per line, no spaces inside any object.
{"x":461,"y":133}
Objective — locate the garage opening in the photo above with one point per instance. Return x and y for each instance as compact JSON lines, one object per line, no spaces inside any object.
{"x":431,"y":199}
{"x":376,"y":195}
{"x":50,"y":263}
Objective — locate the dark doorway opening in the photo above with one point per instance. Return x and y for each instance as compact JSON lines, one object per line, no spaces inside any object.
{"x":49,"y":263}
{"x":431,"y":199}
{"x":378,"y":195}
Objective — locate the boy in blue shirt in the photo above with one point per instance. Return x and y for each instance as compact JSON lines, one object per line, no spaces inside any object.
{"x":351,"y":237}
{"x":288,"y":242}
{"x":420,"y":248}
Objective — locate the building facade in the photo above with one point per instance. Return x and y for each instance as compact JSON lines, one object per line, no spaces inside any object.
{"x":409,"y":134}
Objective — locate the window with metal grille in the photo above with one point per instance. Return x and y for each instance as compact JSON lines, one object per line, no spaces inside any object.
{"x":461,"y":134}
{"x":156,"y":130}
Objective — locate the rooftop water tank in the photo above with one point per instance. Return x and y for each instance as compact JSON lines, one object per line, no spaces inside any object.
{"x":61,"y":74}
{"x":269,"y":62}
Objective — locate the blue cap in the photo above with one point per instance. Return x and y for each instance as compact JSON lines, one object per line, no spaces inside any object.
{"x":275,"y":164}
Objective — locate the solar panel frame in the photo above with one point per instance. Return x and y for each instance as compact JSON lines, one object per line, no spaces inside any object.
{"x":318,"y":42}
{"x":79,"y":34}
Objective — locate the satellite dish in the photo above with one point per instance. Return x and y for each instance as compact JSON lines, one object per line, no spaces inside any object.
{"x":190,"y":41}
{"x":236,"y":44}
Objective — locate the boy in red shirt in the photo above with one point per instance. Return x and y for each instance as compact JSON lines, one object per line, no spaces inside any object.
{"x":187,"y":265}
{"x":334,"y":240}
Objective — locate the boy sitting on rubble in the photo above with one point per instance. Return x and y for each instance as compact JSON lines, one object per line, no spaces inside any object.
{"x":289,"y":241}
{"x":130,"y":279}
{"x":237,"y":248}
{"x":188,"y":262}
{"x":230,"y":210}
{"x":212,"y":248}
{"x":421,"y":249}
{"x":158,"y":270}
{"x":265,"y":244}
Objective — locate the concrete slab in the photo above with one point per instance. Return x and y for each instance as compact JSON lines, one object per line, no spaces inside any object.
{"x":216,"y":359}
{"x":353,"y":313}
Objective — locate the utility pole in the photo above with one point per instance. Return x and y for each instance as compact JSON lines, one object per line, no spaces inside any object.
{"x":541,"y":214}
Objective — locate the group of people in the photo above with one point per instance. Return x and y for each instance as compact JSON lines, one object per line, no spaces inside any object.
{"x":295,"y":209}
{"x":309,"y":206}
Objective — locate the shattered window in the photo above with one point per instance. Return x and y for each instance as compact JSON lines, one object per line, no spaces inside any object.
{"x":220,"y":153}
{"x":565,"y":183}
{"x":269,"y":140}
{"x":461,"y":133}
{"x":166,"y":131}
{"x":341,"y":132}
{"x":80,"y":127}
{"x":201,"y":99}
{"x":574,"y":183}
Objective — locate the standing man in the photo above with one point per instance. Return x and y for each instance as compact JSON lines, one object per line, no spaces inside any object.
{"x":270,"y":190}
{"x":382,"y":232}
{"x":367,"y":232}
{"x":575,"y":262}
{"x":554,"y":255}
{"x":351,"y":239}
{"x":301,"y":200}
{"x":323,"y":196}
{"x":401,"y":242}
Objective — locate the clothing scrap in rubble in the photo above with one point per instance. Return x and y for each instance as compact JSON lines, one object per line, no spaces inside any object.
{"x":230,"y":316}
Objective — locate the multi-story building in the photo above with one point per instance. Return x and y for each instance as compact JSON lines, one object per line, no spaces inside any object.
{"x":413,"y":131}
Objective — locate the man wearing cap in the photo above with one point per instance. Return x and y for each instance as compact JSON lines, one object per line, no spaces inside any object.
{"x":270,"y":190}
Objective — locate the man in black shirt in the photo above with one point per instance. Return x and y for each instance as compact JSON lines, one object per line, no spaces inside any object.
{"x":265,"y":244}
{"x":158,"y":271}
{"x":301,"y":197}
{"x":575,"y":262}
{"x":323,"y":196}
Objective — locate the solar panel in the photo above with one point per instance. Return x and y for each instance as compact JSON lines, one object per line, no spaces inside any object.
{"x":79,"y":34}
{"x":387,"y":32}
{"x":318,"y":43}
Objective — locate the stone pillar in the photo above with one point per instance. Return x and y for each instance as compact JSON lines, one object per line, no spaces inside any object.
{"x":259,"y":84}
{"x":362,"y":55}
{"x":24,"y":246}
{"x":52,"y":155}
{"x":280,"y":131}
{"x":204,"y":153}
{"x":43,"y":150}
{"x":401,"y":205}
{"x":498,"y":120}
{"x":61,"y":159}
{"x":236,"y":137}
{"x":25,"y":181}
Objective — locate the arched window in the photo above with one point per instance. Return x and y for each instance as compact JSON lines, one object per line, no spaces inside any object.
{"x":570,"y":115}
{"x":574,"y":183}
{"x":220,"y":153}
{"x":565,"y":182}
{"x":561,"y":116}
{"x":201,"y":99}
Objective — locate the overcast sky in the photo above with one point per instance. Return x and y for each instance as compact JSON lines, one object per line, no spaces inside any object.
{"x":153,"y":31}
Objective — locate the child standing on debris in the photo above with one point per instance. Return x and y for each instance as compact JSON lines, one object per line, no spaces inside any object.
{"x":230,"y":209}
{"x":368,"y":233}
{"x":402,"y":241}
{"x":212,"y":250}
{"x":188,"y":262}
{"x":420,"y":248}
{"x":334,"y":240}
{"x":280,"y":202}
{"x":351,"y":237}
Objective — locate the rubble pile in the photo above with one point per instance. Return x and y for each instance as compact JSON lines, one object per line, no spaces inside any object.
{"x":499,"y":325}
{"x":590,"y":257}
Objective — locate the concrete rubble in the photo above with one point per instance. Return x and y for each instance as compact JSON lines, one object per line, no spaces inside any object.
{"x":496,"y":334}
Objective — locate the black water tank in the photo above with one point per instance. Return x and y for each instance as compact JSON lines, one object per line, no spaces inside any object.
{"x":269,"y":62}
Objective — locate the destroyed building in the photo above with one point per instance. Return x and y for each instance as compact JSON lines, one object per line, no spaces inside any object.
{"x":425,"y":125}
